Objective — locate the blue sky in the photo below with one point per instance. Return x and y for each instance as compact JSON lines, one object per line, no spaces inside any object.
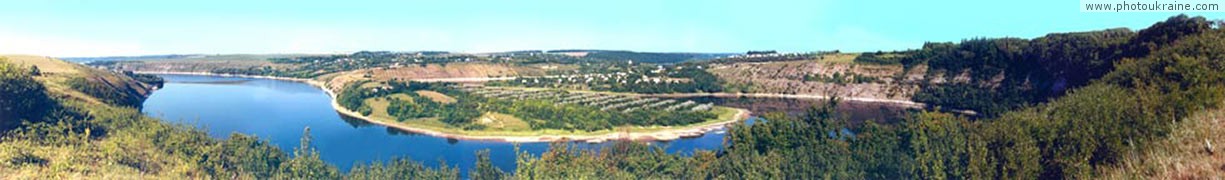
{"x":108,"y":28}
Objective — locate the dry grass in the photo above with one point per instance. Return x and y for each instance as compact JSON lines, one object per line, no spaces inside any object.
{"x":45,"y":64}
{"x":504,"y":122}
{"x":90,"y":160}
{"x":378,"y":108}
{"x":840,"y":58}
{"x":56,"y":73}
{"x":109,"y":157}
{"x":402,"y":96}
{"x":437,"y":97}
{"x":369,"y":85}
{"x":1182,"y":155}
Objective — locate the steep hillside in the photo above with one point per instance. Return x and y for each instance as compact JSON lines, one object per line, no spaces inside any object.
{"x":992,"y":76}
{"x":54,"y":131}
{"x":1191,"y":151}
{"x":69,"y":80}
{"x":832,"y":75}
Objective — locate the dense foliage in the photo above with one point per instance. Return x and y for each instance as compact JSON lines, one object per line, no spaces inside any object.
{"x":412,"y":108}
{"x":21,"y":97}
{"x":149,"y":79}
{"x":353,"y":97}
{"x":881,"y":57}
{"x":120,"y":138}
{"x":459,"y":114}
{"x":992,"y":76}
{"x":111,"y":90}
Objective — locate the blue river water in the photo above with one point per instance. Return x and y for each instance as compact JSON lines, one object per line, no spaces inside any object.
{"x":278,"y":111}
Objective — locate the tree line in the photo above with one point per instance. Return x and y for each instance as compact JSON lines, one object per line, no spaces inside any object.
{"x":1009,"y":73}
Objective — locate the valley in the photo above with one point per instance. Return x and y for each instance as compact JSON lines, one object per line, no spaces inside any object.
{"x":1135,"y":102}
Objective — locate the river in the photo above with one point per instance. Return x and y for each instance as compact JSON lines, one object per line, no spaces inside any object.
{"x":277,"y":111}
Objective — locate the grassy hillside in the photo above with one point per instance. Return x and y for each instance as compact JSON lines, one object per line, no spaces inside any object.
{"x":70,"y":80}
{"x":992,"y":76}
{"x":1192,"y":150}
{"x":70,"y":137}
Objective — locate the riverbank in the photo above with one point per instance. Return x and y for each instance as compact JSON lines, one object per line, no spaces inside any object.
{"x":642,"y":134}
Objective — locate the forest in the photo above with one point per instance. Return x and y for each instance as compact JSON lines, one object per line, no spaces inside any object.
{"x":1008,"y":73}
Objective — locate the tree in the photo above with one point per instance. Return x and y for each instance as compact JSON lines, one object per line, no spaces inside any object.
{"x":306,"y":163}
{"x":34,"y":71}
{"x":484,"y":168}
{"x":21,"y":97}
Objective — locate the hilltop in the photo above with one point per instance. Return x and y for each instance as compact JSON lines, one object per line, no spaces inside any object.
{"x":70,"y":80}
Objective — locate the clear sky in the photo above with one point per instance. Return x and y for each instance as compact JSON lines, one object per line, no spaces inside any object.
{"x":108,"y":28}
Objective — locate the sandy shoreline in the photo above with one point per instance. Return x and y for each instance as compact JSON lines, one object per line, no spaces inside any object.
{"x":661,"y":135}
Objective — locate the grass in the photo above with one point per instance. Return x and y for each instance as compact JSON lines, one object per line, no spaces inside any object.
{"x":88,"y":160}
{"x":56,"y":73}
{"x":503,"y":122}
{"x":378,"y":105}
{"x":44,"y":64}
{"x":402,"y":96}
{"x":437,"y":97}
{"x":378,"y":108}
{"x":369,"y":85}
{"x":1181,"y":155}
{"x":840,"y":58}
{"x":130,"y":151}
